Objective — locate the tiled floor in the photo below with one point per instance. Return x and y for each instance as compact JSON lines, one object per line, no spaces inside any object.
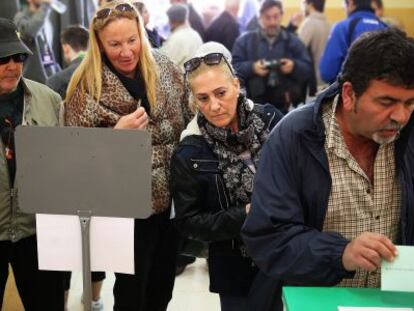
{"x":190,"y":292}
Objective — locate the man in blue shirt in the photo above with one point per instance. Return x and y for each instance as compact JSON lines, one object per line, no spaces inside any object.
{"x":361,"y":18}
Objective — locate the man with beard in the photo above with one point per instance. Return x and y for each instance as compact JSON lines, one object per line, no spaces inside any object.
{"x":333,"y":194}
{"x":272,"y":62}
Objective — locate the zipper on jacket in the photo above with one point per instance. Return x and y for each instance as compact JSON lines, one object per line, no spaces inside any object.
{"x":218,"y":192}
{"x":271,"y":120}
{"x":12,"y":197}
{"x":12,"y":192}
{"x":204,"y":160}
{"x":224,"y":192}
{"x":233,"y":246}
{"x":12,"y":232}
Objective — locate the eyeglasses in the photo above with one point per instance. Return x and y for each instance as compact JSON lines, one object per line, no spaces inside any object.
{"x":105,"y":12}
{"x":209,"y":59}
{"x":17,"y":58}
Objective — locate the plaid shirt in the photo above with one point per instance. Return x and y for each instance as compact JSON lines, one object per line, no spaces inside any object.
{"x":355,"y":204}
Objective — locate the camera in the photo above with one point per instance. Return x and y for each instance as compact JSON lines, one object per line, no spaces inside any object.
{"x":273,"y":66}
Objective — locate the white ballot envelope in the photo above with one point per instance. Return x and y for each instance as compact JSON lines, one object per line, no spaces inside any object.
{"x":399,"y":274}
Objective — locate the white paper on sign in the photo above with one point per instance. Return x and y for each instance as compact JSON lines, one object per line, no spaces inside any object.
{"x":372,"y":309}
{"x":59,"y":243}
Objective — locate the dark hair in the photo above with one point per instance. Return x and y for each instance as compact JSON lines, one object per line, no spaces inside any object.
{"x":363,"y":4}
{"x":386,"y":55}
{"x":319,"y":5}
{"x":140,"y":6}
{"x":268,"y":4}
{"x":76,"y":36}
{"x":379,"y":3}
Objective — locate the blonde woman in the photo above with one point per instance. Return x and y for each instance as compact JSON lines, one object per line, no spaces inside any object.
{"x":122,"y":83}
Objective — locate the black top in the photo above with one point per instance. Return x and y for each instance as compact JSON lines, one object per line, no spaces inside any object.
{"x":135,"y":87}
{"x":11,"y":113}
{"x":154,"y":38}
{"x":195,"y":21}
{"x":224,"y":29}
{"x":59,"y":82}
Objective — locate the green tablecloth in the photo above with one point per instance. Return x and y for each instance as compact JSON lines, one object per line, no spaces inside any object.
{"x":329,"y":298}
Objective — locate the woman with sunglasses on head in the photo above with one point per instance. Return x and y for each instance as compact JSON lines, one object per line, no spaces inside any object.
{"x":124,"y":84}
{"x":213,"y":168}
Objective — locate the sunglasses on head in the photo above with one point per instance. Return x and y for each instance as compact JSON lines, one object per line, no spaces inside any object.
{"x":105,"y":12}
{"x":17,"y":58}
{"x":209,"y":59}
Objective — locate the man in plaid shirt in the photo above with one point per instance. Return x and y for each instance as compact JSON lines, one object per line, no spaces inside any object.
{"x":334,"y":190}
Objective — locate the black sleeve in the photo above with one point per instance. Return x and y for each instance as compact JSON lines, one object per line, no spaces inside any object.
{"x":193,"y":218}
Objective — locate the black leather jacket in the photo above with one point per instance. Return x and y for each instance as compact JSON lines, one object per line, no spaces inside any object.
{"x":204,"y":212}
{"x":201,"y":200}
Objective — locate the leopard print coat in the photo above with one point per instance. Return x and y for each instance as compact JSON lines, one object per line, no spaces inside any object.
{"x":166,"y":121}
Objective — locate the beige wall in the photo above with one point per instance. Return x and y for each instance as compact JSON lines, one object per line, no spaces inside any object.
{"x":403,"y":10}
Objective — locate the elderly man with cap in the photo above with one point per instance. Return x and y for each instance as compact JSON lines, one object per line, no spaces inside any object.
{"x":22,"y":102}
{"x":184,"y":40}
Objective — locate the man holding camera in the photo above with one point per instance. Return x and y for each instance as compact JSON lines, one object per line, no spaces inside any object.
{"x":273,"y":63}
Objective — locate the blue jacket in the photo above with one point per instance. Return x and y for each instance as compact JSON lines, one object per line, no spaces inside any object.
{"x":253,"y":46}
{"x":246,"y":51}
{"x":282,"y":232}
{"x":338,"y":42}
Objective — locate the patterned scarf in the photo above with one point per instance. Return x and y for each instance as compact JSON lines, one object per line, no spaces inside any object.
{"x":227,"y":146}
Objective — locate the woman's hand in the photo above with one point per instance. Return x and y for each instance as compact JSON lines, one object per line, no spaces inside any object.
{"x":247,"y":208}
{"x":136,"y":120}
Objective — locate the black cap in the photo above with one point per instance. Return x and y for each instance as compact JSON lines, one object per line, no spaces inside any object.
{"x":10,"y":42}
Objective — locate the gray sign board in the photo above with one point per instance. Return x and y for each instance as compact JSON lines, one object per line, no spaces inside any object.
{"x":66,"y":170}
